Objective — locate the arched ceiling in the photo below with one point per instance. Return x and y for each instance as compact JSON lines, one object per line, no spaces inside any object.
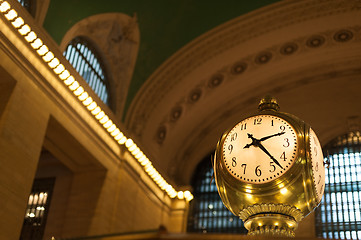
{"x":202,"y":67}
{"x":305,"y":53}
{"x":165,"y":25}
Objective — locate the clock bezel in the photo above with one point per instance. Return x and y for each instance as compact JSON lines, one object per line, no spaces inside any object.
{"x":278,"y":182}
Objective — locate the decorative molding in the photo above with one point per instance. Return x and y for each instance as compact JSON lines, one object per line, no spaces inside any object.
{"x":226,"y":36}
{"x":285,"y":209}
{"x":275,"y":53}
{"x":350,"y":68}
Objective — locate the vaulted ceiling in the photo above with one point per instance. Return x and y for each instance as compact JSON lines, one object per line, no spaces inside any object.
{"x":165,"y":25}
{"x":204,"y":65}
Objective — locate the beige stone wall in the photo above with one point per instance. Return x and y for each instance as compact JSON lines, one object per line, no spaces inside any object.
{"x":22,"y":129}
{"x":45,"y":132}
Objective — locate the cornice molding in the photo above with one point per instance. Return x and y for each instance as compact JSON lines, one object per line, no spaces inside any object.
{"x":223,"y":38}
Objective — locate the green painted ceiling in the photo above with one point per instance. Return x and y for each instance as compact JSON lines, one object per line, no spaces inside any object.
{"x":165,"y":25}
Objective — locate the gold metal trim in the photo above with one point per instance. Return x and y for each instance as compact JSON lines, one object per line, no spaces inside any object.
{"x":284,"y":209}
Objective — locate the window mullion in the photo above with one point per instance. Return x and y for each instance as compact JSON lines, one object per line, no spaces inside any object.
{"x":88,"y":65}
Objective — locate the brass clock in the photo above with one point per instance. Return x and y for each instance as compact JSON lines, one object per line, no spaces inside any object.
{"x":269,"y":170}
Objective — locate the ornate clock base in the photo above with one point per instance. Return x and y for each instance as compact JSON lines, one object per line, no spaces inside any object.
{"x":271,"y":224}
{"x":271,"y":219}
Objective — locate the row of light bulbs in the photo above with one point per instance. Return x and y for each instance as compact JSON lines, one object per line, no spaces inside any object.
{"x":43,"y":51}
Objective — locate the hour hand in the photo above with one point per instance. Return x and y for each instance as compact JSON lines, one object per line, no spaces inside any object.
{"x":253,"y":143}
{"x":248,"y":145}
{"x":250,"y":136}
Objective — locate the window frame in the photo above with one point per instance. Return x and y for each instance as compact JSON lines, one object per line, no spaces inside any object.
{"x":86,"y":58}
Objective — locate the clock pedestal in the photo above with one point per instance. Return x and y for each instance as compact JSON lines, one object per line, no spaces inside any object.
{"x":278,"y":220}
{"x":271,"y":224}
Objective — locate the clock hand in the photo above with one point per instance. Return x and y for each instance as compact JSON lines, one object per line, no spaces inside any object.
{"x":265,"y":150}
{"x":265,"y":138}
{"x":257,"y":143}
{"x":253,"y":143}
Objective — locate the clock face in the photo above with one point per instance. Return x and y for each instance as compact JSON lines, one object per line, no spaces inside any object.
{"x":260,"y":149}
{"x":318,"y":168}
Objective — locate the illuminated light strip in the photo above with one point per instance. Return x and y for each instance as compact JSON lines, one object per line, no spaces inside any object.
{"x":37,"y":44}
{"x":78,"y":91}
{"x":74,"y":85}
{"x":54,"y":63}
{"x":99,"y":115}
{"x":115,"y":132}
{"x":88,"y":101}
{"x":92,"y":106}
{"x":31,"y":36}
{"x":24,"y":29}
{"x":42,"y":50}
{"x":119,"y":136}
{"x":64,"y":75}
{"x":59,"y":69}
{"x":108,"y":124}
{"x":11,"y":15}
{"x":18,"y":22}
{"x":112,"y":128}
{"x":104,"y":119}
{"x":48,"y":57}
{"x":83,"y":96}
{"x":5,"y":6}
{"x":69,"y":80}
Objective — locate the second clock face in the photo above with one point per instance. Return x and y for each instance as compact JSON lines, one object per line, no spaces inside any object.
{"x":260,"y":149}
{"x":318,"y":168}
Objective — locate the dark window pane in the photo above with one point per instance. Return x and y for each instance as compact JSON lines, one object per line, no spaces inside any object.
{"x":339,"y":214}
{"x":207,"y":212}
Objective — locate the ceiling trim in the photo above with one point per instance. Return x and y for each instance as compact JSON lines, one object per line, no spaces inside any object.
{"x":217,"y":41}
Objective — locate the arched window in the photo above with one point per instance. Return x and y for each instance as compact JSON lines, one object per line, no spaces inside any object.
{"x":339,"y":214}
{"x":207,"y":212}
{"x":88,"y":64}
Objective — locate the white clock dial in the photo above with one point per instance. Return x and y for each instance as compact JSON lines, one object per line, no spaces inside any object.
{"x":318,"y":168}
{"x":260,"y":149}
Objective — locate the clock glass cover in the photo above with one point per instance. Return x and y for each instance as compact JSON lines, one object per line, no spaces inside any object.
{"x":318,"y":168}
{"x":260,"y":149}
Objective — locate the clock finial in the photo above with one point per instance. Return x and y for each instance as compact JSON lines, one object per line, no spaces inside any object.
{"x":268,"y":103}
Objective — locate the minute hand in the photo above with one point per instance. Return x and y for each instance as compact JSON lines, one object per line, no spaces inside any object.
{"x":265,"y":150}
{"x":273,"y":135}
